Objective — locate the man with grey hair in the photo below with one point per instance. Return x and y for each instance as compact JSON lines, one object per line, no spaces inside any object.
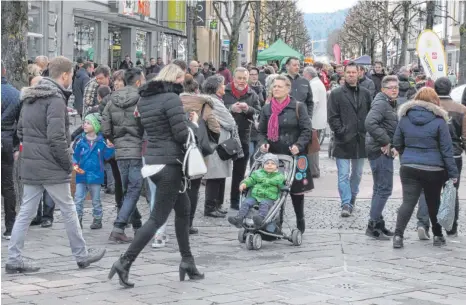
{"x":407,"y":89}
{"x":243,"y":103}
{"x":43,"y":130}
{"x":381,"y":123}
{"x":194,"y":71}
{"x":319,"y":113}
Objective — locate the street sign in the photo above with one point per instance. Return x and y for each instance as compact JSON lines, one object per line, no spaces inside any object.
{"x":226,"y":42}
{"x":240,"y":47}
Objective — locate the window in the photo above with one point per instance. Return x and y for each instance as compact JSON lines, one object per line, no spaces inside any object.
{"x":84,"y":39}
{"x":35,"y":36}
{"x":449,"y":60}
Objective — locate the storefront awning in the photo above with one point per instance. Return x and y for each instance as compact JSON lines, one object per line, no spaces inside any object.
{"x":123,"y":21}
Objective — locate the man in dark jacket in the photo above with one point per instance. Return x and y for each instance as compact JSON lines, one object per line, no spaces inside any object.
{"x":381,"y":124}
{"x":79,"y":83}
{"x":348,"y":106}
{"x":457,"y":128}
{"x":154,"y":67}
{"x":377,"y":75}
{"x":206,"y":71}
{"x":124,"y":130}
{"x":300,"y":87}
{"x":243,"y":103}
{"x":255,"y":85}
{"x":407,"y":90}
{"x":127,"y":63}
{"x":10,"y":116}
{"x":43,"y":130}
{"x":366,"y":82}
{"x":194,"y":71}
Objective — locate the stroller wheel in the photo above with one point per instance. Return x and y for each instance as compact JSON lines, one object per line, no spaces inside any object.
{"x":257,"y":242}
{"x":249,"y":241}
{"x":241,"y":236}
{"x":296,"y":237}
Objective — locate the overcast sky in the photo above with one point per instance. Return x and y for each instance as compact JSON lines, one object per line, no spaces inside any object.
{"x":326,"y":6}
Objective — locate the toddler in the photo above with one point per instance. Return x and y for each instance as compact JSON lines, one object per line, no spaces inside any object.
{"x":90,"y":152}
{"x":266,"y":184}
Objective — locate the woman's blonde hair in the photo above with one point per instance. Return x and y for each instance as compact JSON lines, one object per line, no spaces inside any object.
{"x":170,"y":73}
{"x":34,"y":70}
{"x":427,"y":94}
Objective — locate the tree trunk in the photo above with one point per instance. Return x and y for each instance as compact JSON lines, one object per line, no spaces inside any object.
{"x":462,"y":68}
{"x":384,"y":42}
{"x":430,"y":9}
{"x":404,"y":34}
{"x":384,"y":53}
{"x":14,"y":41}
{"x":257,"y":16}
{"x":239,"y":8}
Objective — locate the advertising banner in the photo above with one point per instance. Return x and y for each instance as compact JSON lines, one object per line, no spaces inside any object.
{"x":201,"y":13}
{"x":432,"y":55}
{"x":337,"y":53}
{"x":177,"y":15}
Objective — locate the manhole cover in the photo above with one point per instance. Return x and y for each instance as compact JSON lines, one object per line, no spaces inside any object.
{"x":347,"y":286}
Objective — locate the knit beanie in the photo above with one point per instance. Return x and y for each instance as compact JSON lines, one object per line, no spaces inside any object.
{"x":94,"y":119}
{"x":270,"y":157}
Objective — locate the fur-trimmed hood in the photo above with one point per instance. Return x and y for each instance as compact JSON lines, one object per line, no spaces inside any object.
{"x":44,"y":89}
{"x":421,"y":113}
{"x":201,"y":99}
{"x":157,"y":87}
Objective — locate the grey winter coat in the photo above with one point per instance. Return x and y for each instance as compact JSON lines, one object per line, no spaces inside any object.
{"x":367,"y":83}
{"x":43,"y":129}
{"x":121,"y":126}
{"x":381,"y":122}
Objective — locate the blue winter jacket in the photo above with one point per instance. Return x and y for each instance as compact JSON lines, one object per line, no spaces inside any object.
{"x":422,"y":136}
{"x":91,"y":159}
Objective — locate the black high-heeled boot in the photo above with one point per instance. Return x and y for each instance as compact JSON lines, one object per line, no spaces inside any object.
{"x":188,"y":266}
{"x":121,"y":266}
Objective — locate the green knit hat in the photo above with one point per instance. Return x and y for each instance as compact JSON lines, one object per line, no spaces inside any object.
{"x":94,"y":119}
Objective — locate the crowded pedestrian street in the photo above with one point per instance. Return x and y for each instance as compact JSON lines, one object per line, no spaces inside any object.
{"x":336,"y":263}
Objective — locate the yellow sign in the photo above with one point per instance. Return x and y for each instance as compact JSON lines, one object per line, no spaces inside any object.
{"x":177,"y":14}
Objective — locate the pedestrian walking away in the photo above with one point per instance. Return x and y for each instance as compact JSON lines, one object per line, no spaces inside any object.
{"x":43,"y":129}
{"x":348,"y":106}
{"x":423,"y":140}
{"x":457,"y":129}
{"x":380,"y":125}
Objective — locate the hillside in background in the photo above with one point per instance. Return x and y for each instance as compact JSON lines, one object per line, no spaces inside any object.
{"x":320,"y":25}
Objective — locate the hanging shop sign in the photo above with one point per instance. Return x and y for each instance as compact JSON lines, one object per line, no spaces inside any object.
{"x":213,"y":24}
{"x":200,"y":13}
{"x":432,"y":55}
{"x":177,"y":14}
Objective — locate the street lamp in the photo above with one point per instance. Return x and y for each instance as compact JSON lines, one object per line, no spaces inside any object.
{"x":189,"y":27}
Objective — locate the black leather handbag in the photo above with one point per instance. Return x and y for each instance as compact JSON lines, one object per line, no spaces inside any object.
{"x":231,"y":148}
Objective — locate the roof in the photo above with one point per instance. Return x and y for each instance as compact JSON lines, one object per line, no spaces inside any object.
{"x":277,"y":51}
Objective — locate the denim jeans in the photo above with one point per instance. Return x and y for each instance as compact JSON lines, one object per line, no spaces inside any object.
{"x":249,"y":202}
{"x":61,"y":194}
{"x":382,"y":174}
{"x":81,"y":191}
{"x":413,"y":181}
{"x":131,"y":179}
{"x":423,"y":212}
{"x":348,"y":184}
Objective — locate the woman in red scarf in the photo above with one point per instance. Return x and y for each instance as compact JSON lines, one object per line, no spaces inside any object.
{"x":285,"y":128}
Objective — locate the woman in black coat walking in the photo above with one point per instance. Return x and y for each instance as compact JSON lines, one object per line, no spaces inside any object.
{"x":166,"y":124}
{"x":285,"y":128}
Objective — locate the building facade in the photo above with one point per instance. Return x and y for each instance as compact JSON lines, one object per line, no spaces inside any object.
{"x":106,"y":31}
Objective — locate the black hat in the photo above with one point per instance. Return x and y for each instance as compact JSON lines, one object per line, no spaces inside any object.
{"x":442,"y":86}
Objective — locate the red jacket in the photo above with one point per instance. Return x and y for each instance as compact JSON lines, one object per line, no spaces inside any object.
{"x":325,"y":80}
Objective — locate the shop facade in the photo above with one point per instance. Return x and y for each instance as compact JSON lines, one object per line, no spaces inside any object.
{"x":104,"y":31}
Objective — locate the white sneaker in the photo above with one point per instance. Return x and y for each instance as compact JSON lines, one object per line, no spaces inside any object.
{"x":159,"y":241}
{"x":422,"y":233}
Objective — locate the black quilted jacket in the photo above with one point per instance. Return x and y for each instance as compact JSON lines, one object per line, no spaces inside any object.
{"x":164,"y":121}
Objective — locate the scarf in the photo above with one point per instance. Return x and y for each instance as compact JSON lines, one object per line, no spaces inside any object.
{"x":236,"y":93}
{"x":277,"y":108}
{"x":222,"y":114}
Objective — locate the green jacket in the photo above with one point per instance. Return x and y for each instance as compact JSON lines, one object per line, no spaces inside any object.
{"x":265,"y":185}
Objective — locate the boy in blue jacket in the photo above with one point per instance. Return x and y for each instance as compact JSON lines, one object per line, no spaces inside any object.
{"x":90,"y":152}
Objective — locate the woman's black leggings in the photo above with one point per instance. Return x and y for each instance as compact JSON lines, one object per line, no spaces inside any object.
{"x":167,"y":197}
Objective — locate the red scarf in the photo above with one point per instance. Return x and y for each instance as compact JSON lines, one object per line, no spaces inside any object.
{"x":236,"y":93}
{"x":277,"y":108}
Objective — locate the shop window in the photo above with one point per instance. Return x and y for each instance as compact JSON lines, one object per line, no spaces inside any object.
{"x":141,"y":45}
{"x":84,"y":39}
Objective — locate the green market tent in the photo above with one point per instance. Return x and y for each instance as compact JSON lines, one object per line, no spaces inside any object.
{"x":277,"y":51}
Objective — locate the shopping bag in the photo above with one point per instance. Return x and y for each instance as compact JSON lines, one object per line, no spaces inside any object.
{"x":446,"y":212}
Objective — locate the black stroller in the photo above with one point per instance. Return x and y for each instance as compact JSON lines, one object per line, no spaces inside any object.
{"x":271,"y":228}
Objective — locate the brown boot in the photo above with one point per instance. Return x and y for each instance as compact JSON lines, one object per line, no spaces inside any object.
{"x":120,"y":238}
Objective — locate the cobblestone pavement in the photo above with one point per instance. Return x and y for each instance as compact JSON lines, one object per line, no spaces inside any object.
{"x":336,"y":264}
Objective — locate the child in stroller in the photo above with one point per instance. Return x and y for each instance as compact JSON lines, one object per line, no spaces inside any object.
{"x":266,"y":184}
